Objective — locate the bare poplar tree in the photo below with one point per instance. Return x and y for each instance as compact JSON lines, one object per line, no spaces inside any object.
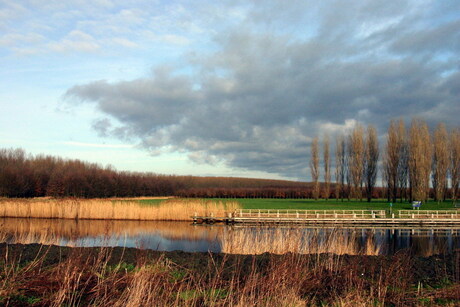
{"x":403,"y":168}
{"x":440,"y":162}
{"x":426,"y":158}
{"x":455,"y":162}
{"x":356,"y":161}
{"x":327,"y":169}
{"x":392,"y":157}
{"x":419,"y":160}
{"x":385,"y":178}
{"x":371,"y":157}
{"x":340,"y":165}
{"x":314,"y":167}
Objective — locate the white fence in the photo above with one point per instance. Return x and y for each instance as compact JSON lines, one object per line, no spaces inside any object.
{"x":309,"y":214}
{"x":429,"y":214}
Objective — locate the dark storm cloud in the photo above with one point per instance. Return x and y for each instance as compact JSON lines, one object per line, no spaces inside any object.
{"x":256,"y":101}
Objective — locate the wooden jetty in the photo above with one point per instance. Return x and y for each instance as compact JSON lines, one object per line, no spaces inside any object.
{"x":336,"y":217}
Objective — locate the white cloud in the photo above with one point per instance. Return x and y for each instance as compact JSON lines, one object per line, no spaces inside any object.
{"x":124,"y":42}
{"x":174,"y":39}
{"x":13,"y":39}
{"x":75,"y":41}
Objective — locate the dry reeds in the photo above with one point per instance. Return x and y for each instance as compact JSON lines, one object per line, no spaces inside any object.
{"x":99,"y":209}
{"x":84,"y":277}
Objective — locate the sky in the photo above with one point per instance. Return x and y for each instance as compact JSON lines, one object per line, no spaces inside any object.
{"x":219,"y":88}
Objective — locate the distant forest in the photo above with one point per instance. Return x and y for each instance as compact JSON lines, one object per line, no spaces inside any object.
{"x":23,"y":175}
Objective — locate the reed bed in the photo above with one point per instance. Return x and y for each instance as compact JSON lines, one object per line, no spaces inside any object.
{"x":99,"y":209}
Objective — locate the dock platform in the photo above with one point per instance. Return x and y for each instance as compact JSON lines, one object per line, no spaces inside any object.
{"x":335,"y":217}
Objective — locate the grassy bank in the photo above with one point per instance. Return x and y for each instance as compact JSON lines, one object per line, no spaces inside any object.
{"x":332,"y":204}
{"x":170,"y":209}
{"x":34,"y":275}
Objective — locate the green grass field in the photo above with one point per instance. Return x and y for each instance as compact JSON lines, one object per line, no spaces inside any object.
{"x":310,"y":204}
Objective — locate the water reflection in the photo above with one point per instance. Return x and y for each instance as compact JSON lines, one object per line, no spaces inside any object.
{"x":168,"y":236}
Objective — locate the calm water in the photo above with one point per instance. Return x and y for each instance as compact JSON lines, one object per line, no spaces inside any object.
{"x":169,"y":236}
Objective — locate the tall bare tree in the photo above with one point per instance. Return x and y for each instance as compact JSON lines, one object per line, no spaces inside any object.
{"x":340,"y":166}
{"x":327,"y":168}
{"x":440,"y":162}
{"x":392,"y":156}
{"x":314,"y":167}
{"x":403,"y":167}
{"x":419,"y":160}
{"x":371,"y":157}
{"x":455,"y":162}
{"x":356,"y":161}
{"x":385,"y":185}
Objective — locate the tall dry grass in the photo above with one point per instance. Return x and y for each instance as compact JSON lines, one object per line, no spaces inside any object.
{"x":81,"y":277}
{"x":99,"y":209}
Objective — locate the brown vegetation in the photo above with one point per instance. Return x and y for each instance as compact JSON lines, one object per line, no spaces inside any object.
{"x":410,"y":160}
{"x":53,"y":276}
{"x":394,"y":157}
{"x":356,"y":161}
{"x":294,"y":240}
{"x":340,"y":166}
{"x":371,"y":157}
{"x":419,"y":160}
{"x":314,"y":167}
{"x":327,"y":168}
{"x":455,"y":161}
{"x":23,"y":175}
{"x":440,"y":165}
{"x":171,"y":210}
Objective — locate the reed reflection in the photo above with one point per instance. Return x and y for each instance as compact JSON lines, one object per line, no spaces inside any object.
{"x":141,"y":234}
{"x":168,"y":236}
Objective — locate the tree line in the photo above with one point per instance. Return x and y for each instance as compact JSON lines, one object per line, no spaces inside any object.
{"x":23,"y":175}
{"x":415,"y":164}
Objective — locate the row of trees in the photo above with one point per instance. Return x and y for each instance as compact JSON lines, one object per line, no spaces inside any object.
{"x":23,"y":175}
{"x":414,"y":158}
{"x":411,"y":159}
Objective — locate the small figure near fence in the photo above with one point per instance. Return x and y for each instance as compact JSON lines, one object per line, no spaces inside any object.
{"x":416,"y":205}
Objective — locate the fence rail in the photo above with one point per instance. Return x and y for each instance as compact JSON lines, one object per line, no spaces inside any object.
{"x":429,"y":214}
{"x":308,"y":214}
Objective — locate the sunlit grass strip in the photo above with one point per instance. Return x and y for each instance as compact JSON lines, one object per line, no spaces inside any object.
{"x":168,"y":210}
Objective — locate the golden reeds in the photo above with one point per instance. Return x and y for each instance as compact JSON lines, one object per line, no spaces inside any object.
{"x":56,"y":276}
{"x":168,"y":210}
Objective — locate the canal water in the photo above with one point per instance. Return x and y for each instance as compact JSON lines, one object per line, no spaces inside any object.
{"x":170,"y":236}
